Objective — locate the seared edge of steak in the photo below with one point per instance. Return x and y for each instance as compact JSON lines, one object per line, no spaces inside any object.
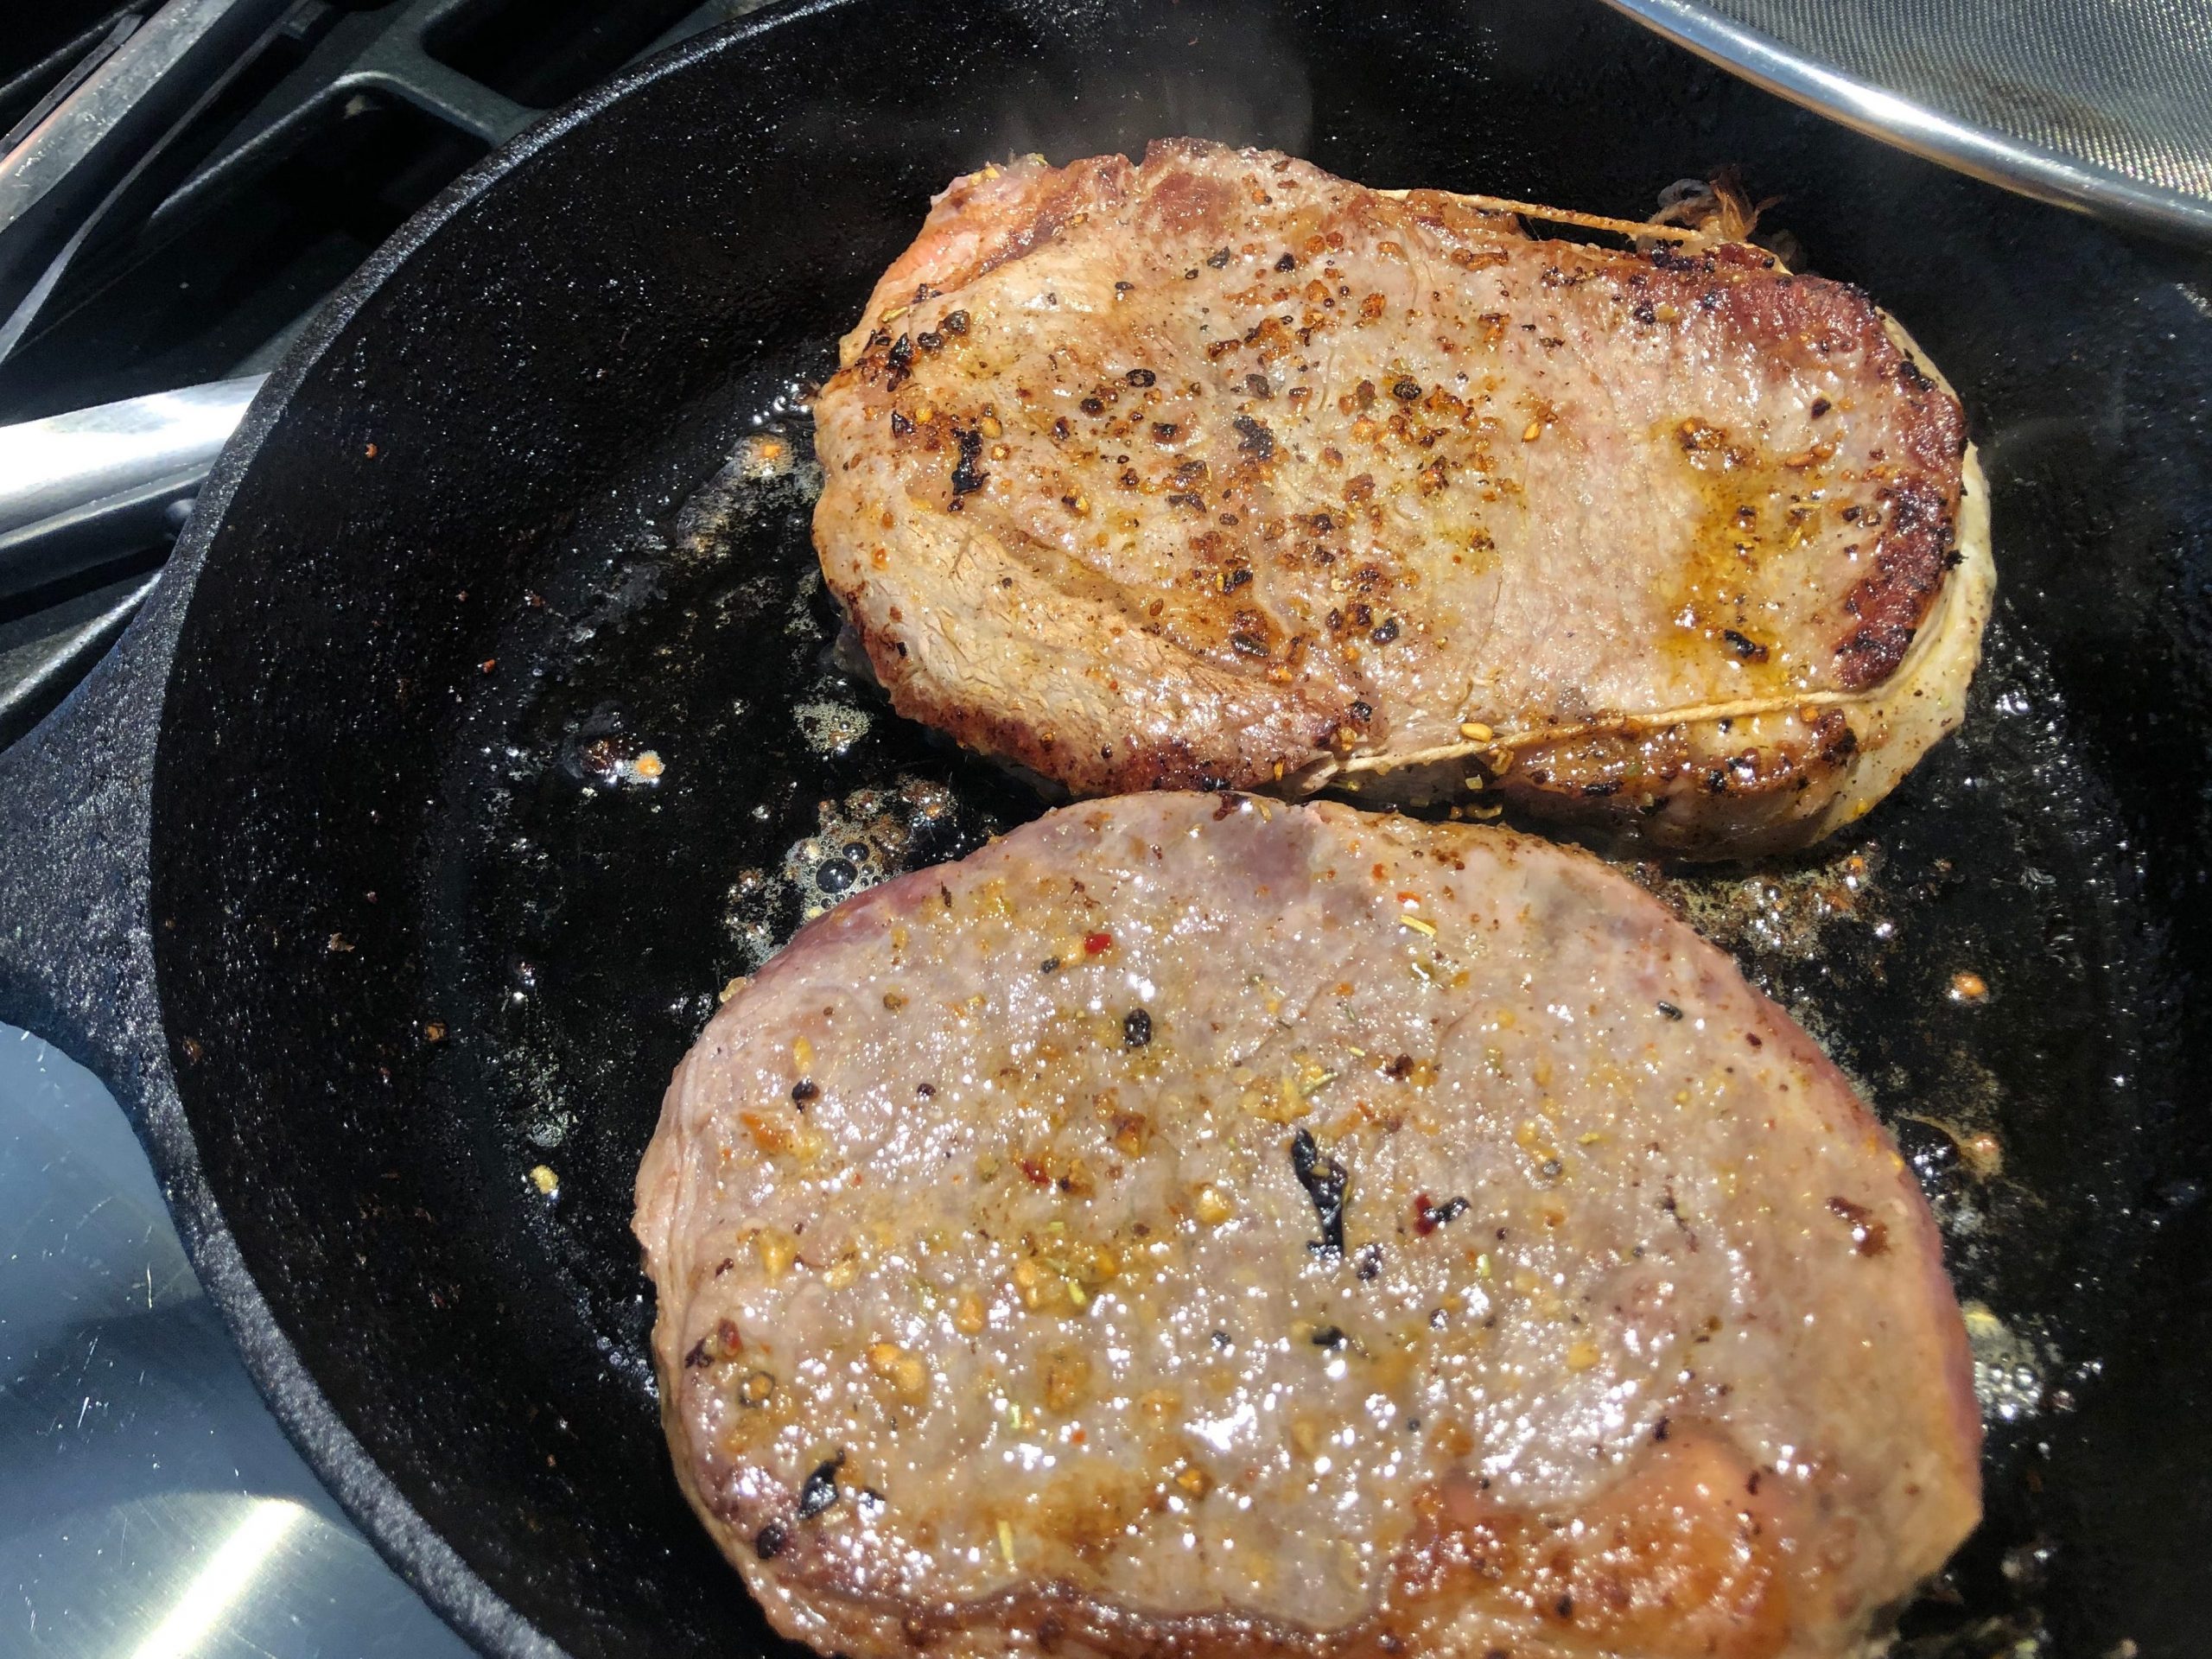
{"x":1130,"y":708}
{"x":1752,"y":779}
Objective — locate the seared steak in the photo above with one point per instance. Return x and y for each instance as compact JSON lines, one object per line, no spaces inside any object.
{"x":1219,"y":470}
{"x":1221,"y":1227}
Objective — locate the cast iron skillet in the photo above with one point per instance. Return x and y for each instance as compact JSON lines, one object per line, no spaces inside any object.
{"x":339,"y":873}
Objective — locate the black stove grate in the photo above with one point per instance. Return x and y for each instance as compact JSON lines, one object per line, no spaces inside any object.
{"x":344,"y":120}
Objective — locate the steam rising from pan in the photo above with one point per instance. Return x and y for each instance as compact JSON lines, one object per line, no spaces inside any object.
{"x":1240,"y":82}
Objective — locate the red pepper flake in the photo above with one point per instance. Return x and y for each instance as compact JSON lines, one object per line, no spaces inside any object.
{"x":1869,"y":1236}
{"x":1427,"y":1217}
{"x":1098,"y":944}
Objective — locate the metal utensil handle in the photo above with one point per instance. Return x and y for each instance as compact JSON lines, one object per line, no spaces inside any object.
{"x":67,"y":478}
{"x":48,"y":467}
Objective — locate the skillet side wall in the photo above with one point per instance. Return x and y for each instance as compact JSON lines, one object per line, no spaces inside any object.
{"x":393,"y":517}
{"x":569,"y":339}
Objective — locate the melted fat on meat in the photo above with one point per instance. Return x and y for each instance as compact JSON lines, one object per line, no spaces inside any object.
{"x":1198,"y":1225}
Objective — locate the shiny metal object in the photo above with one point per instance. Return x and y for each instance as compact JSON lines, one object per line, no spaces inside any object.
{"x":152,"y":1507}
{"x":66,"y":461}
{"x":85,"y":488}
{"x":2102,"y":105}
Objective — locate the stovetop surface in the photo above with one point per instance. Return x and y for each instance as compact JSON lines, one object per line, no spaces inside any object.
{"x":153,"y":1505}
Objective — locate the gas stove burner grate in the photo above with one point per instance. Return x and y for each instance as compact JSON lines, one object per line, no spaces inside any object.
{"x":235,"y":203}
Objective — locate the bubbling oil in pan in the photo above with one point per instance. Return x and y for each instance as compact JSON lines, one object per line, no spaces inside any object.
{"x":691,"y":770}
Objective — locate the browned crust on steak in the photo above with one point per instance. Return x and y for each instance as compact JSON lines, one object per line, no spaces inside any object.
{"x":1274,"y":700}
{"x":1919,"y":542}
{"x":1806,"y":317}
{"x":1280,"y":740}
{"x":1641,"y":1570}
{"x":982,"y":220}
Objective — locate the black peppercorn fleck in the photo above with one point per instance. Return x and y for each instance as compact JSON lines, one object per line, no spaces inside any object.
{"x":820,"y":1490}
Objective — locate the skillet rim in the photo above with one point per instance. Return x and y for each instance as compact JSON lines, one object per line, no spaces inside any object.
{"x":401,"y":1536}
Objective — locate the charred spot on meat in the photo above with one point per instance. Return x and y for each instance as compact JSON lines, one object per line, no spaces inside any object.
{"x":1325,"y":1181}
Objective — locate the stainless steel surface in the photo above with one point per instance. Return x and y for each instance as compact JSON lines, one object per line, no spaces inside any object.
{"x":2104,"y":105}
{"x":151,"y":1508}
{"x":64,"y":461}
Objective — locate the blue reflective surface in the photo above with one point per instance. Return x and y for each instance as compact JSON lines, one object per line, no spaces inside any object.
{"x":149,"y":1504}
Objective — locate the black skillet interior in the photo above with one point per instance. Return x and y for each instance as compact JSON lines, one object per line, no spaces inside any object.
{"x":429,"y":937}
